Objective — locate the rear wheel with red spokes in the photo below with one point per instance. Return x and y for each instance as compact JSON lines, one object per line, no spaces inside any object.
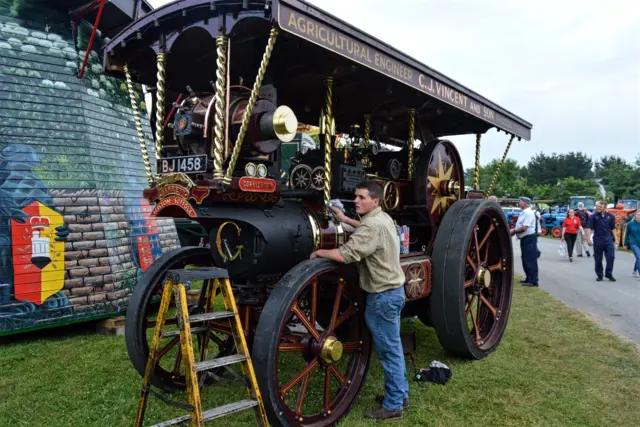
{"x":472,"y":278}
{"x":312,"y":347}
{"x":556,"y":232}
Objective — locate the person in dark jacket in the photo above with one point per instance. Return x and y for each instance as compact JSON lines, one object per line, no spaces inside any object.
{"x":603,"y":225}
{"x":632,"y":241}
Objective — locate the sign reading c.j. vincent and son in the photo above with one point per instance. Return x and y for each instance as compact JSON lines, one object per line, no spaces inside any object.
{"x":301,"y":25}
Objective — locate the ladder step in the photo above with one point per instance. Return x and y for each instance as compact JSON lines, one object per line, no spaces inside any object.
{"x":200,"y":273}
{"x":214,"y":315}
{"x":220,"y":361}
{"x":175,"y":333}
{"x":214,"y":413}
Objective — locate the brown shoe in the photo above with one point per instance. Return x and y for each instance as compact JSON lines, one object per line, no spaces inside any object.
{"x":380,"y":399}
{"x":382,"y":414}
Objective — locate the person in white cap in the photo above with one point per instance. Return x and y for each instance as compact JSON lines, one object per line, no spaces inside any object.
{"x":527,"y":231}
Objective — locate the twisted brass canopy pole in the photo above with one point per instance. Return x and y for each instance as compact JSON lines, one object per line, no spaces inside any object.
{"x":412,"y":118}
{"x":476,"y":176}
{"x":494,"y":180}
{"x":220,"y":100}
{"x":328,"y":119}
{"x":136,"y":116}
{"x":252,"y":101}
{"x":161,"y":75}
{"x":367,"y":129}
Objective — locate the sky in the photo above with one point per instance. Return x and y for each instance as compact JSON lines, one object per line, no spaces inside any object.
{"x":569,"y":67}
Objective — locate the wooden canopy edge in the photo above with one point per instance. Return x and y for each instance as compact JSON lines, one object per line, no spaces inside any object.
{"x":323,"y":29}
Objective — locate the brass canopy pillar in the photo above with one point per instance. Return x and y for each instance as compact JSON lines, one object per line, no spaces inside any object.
{"x":328,"y":121}
{"x":136,"y":116}
{"x":494,"y":180}
{"x":250,"y":104}
{"x":476,"y":175}
{"x":367,"y":129}
{"x":219,"y":134}
{"x":160,"y":94}
{"x":410,"y":141}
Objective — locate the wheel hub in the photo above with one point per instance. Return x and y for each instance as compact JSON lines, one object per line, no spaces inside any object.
{"x":331,"y":350}
{"x":483,"y":277}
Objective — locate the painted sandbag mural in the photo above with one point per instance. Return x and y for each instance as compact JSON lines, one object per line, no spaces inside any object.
{"x":75,"y":231}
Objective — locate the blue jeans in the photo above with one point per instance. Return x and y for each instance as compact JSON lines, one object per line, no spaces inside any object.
{"x":636,"y":252}
{"x":383,"y":320}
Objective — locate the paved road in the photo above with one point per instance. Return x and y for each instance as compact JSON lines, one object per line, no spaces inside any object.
{"x":614,"y":305}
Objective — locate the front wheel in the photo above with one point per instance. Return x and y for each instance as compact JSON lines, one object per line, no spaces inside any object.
{"x":312,"y":347}
{"x":472,"y":278}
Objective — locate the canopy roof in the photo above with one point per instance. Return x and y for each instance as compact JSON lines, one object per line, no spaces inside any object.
{"x":369,"y":75}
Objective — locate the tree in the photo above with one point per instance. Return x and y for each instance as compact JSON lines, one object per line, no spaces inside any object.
{"x":570,"y":186}
{"x":509,"y":182}
{"x":620,"y":179}
{"x":548,"y":169}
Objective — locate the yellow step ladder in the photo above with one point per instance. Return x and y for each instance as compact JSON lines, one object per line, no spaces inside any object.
{"x":217,"y":278}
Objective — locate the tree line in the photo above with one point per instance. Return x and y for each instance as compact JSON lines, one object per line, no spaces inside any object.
{"x":559,"y":176}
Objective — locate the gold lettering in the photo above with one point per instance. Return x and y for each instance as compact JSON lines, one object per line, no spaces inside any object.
{"x":350,"y":46}
{"x":302,"y":27}
{"x":310,"y":27}
{"x":341,"y":47}
{"x":363,"y":54}
{"x":323,"y":38}
{"x":475,"y":108}
{"x":356,"y":49}
{"x":292,"y":21}
{"x":331,"y":38}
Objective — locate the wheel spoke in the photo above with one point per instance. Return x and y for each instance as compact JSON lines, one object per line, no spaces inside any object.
{"x":314,"y":300}
{"x":296,"y":379}
{"x":345,"y":315}
{"x":470,"y":261}
{"x":488,"y":304}
{"x":475,"y":325}
{"x":496,"y":267}
{"x":486,"y":254}
{"x":336,"y":306}
{"x":486,"y":236}
{"x":290,"y":347}
{"x":176,"y":367}
{"x":475,"y":239}
{"x":293,"y":338}
{"x":473,"y":297}
{"x":302,"y":394}
{"x":350,"y":346}
{"x":311,"y":328}
{"x":336,"y":374}
{"x":467,"y":284}
{"x":327,"y":388}
{"x":168,"y":347}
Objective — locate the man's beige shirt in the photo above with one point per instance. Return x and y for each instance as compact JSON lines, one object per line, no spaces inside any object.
{"x":374,"y":246}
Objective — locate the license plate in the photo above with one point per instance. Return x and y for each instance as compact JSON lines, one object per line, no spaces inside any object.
{"x":186,"y":164}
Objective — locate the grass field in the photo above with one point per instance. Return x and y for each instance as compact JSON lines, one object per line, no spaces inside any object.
{"x":553,"y":368}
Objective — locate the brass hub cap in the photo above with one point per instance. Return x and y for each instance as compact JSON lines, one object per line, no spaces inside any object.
{"x":484,"y":277}
{"x":331,"y":350}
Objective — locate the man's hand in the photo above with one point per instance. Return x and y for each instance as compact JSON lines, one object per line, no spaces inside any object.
{"x":314,"y":255}
{"x":589,"y":242}
{"x":340,"y":216}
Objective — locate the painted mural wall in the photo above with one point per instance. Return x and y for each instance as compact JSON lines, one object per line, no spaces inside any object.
{"x":75,"y":232}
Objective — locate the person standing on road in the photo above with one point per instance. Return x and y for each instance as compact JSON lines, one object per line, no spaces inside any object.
{"x":583,"y":215}
{"x":570,"y":228}
{"x":603,"y":224}
{"x":632,"y":241}
{"x":375,"y":247}
{"x":526,"y":230}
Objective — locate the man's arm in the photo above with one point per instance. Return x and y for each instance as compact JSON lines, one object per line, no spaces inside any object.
{"x":340,"y":216}
{"x":362,"y":243}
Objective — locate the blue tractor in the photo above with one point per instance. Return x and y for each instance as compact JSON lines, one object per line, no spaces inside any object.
{"x":552,"y":221}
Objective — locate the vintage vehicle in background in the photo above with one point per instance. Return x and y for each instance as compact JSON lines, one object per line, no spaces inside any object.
{"x":624,"y":211}
{"x":552,"y":221}
{"x":231,"y":82}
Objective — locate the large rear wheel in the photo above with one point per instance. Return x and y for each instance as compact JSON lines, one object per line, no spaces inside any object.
{"x":312,"y":347}
{"x":472,"y":278}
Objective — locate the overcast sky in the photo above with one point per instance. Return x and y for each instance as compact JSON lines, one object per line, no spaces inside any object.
{"x":569,"y":67}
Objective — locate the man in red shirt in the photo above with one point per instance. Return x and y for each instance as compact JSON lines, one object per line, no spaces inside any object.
{"x":570,"y":228}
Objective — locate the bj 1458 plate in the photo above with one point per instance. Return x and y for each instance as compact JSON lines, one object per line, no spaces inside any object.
{"x":186,"y":164}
